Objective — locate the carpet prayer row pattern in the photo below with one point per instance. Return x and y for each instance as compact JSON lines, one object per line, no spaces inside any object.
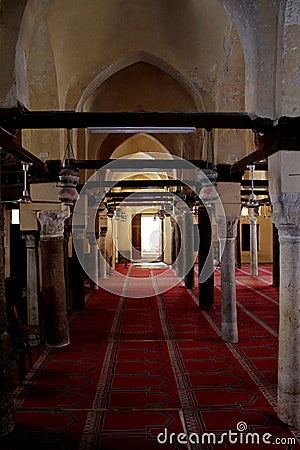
{"x":140,"y":371}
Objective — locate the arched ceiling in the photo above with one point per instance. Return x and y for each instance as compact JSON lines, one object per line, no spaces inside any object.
{"x":128,"y":151}
{"x":212,"y":55}
{"x":84,"y":42}
{"x":210,"y":43}
{"x":106,"y":146}
{"x":139,"y":144}
{"x":140,"y":87}
{"x":154,"y":91}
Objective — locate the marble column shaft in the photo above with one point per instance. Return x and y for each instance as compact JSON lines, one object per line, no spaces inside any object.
{"x":180,"y":243}
{"x":284,"y":183}
{"x":173,"y":249}
{"x":32,"y":279}
{"x":77,"y":276}
{"x":66,"y":265}
{"x":228,"y":285}
{"x":288,"y":409}
{"x":276,"y":258}
{"x":54,"y":290}
{"x":177,"y":242}
{"x":93,"y":261}
{"x":103,"y":263}
{"x":188,"y":236}
{"x":6,"y":386}
{"x":253,"y":245}
{"x":238,"y":259}
{"x":206,"y":288}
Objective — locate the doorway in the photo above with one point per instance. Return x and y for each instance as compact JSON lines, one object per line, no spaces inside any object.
{"x":151,"y":238}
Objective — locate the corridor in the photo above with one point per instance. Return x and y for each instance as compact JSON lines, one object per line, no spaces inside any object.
{"x":147,"y":362}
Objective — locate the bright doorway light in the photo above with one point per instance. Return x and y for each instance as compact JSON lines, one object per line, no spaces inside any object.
{"x":15,"y":217}
{"x":150,"y":237}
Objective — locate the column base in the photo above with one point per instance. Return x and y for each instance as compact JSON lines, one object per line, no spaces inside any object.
{"x":7,"y":421}
{"x":206,"y":294}
{"x":207,"y":307}
{"x":289,"y":409}
{"x":64,"y":344}
{"x":229,"y":332}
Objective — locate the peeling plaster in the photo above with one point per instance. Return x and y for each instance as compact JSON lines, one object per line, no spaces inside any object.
{"x":292,"y":12}
{"x":10,"y":99}
{"x":296,"y":80}
{"x":245,"y":24}
{"x":227,"y":45}
{"x":22,"y":88}
{"x":230,"y":97}
{"x":212,"y":75}
{"x":199,"y":84}
{"x":291,"y":17}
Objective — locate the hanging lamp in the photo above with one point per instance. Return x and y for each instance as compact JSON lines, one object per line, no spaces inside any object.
{"x":208,"y":193}
{"x":252,"y":203}
{"x":25,"y":199}
{"x":110,"y":210}
{"x":68,"y":176}
{"x":161,"y":214}
{"x":210,"y":172}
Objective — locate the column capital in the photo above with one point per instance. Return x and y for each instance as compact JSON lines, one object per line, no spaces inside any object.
{"x":52,"y":223}
{"x":30,"y":238}
{"x":284,"y":187}
{"x":172,"y":221}
{"x":253,"y":214}
{"x":286,"y":214}
{"x":92,"y":237}
{"x":227,"y":229}
{"x":67,"y":233}
{"x":103,"y":231}
{"x":78,"y":232}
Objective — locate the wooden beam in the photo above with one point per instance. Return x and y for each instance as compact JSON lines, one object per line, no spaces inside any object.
{"x":267,"y":148}
{"x":9,"y":145}
{"x":142,"y":164}
{"x":24,"y":119}
{"x":256,"y":183}
{"x":139,"y":184}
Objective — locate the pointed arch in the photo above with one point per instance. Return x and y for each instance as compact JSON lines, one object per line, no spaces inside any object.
{"x":141,"y":56}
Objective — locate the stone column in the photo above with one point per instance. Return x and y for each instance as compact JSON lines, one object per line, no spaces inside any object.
{"x":32,"y":278}
{"x":284,"y":181}
{"x":228,"y":286}
{"x":77,"y":277}
{"x":276,"y":258}
{"x":238,"y":260}
{"x":6,"y":379}
{"x":179,"y":244}
{"x":188,"y":233}
{"x":93,"y":260}
{"x":206,"y":289}
{"x":66,"y":264}
{"x":92,"y":230}
{"x":162,"y":234}
{"x":253,"y":243}
{"x":227,"y":220}
{"x":103,"y":264}
{"x":173,"y":244}
{"x":54,"y":290}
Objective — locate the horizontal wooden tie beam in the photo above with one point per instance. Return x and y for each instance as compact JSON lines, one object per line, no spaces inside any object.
{"x":24,"y":119}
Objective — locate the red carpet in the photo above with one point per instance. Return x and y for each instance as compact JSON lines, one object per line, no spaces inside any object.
{"x":139,"y":366}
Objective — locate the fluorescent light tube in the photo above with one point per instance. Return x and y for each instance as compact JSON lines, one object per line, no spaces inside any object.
{"x":141,"y":129}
